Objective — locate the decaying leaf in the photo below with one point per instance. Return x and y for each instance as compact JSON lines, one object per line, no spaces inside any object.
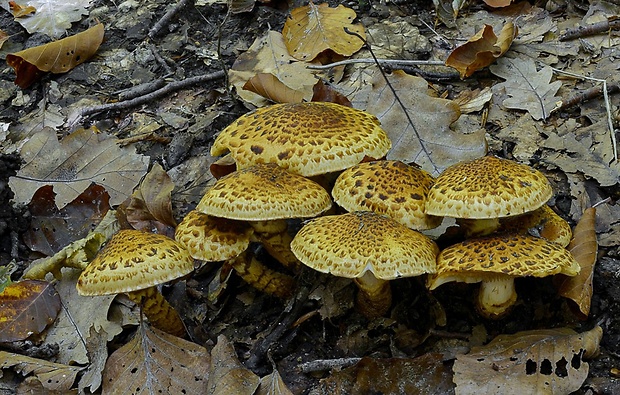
{"x":3,"y":37}
{"x":497,"y":3}
{"x":228,"y":375}
{"x":528,"y":89}
{"x":270,"y":87}
{"x":426,"y":374}
{"x":77,"y":254}
{"x":53,"y":17}
{"x":547,"y":361}
{"x":326,"y":93}
{"x":155,"y":362}
{"x":314,"y":28}
{"x":51,"y":228}
{"x":72,"y":164}
{"x":151,"y":204}
{"x":53,"y":376}
{"x":427,"y":140}
{"x":27,"y":308}
{"x":20,"y":11}
{"x":272,"y":384}
{"x":448,"y":10}
{"x":268,"y":54}
{"x":56,"y":57}
{"x":584,"y":248}
{"x":482,"y":49}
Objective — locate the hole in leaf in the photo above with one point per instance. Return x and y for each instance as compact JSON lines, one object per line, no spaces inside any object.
{"x":575,"y":362}
{"x":560,"y":368}
{"x":545,"y":367}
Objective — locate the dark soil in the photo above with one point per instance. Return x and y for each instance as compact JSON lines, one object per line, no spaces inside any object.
{"x":248,"y":318}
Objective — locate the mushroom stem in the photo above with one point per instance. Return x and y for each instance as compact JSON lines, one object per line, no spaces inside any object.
{"x":374,"y":297}
{"x":264,"y":279}
{"x":496,"y":295}
{"x":274,"y":236}
{"x":159,"y":312}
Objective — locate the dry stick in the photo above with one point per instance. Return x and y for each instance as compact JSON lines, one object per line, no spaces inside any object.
{"x":585,"y":96}
{"x":396,"y":97}
{"x":166,"y":18}
{"x":123,"y":105}
{"x":380,"y":61}
{"x":589,"y":30}
{"x":141,"y":90}
{"x":610,"y":123}
{"x":326,"y":364}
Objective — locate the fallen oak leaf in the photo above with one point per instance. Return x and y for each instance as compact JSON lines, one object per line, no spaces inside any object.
{"x":584,"y":248}
{"x":482,"y":49}
{"x":270,"y":87}
{"x":55,"y":57}
{"x":53,"y":376}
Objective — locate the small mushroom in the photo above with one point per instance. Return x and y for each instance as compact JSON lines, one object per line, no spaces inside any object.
{"x":496,"y":261}
{"x":368,"y":247}
{"x":135,"y":262}
{"x":543,"y":222}
{"x":481,"y":191}
{"x":387,"y":187}
{"x":212,"y":239}
{"x":265,"y":196}
{"x":305,"y":138}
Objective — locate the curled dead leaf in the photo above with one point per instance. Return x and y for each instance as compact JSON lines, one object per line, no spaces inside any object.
{"x":482,"y":49}
{"x":20,"y":11}
{"x":55,"y":57}
{"x":270,"y":87}
{"x":584,"y":248}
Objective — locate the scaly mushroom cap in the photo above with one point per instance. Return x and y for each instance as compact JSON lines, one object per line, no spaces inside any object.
{"x":211,"y":238}
{"x":387,"y":187}
{"x":264,"y":192}
{"x":487,"y":187}
{"x":134,"y":260}
{"x":350,"y":244}
{"x":475,"y":260}
{"x":305,"y":138}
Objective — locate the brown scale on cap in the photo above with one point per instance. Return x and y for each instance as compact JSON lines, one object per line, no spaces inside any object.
{"x":387,"y":187}
{"x":264,"y":192}
{"x":134,"y":260}
{"x":305,"y":138}
{"x":487,"y":188}
{"x":211,"y":238}
{"x":368,"y":247}
{"x":496,"y":261}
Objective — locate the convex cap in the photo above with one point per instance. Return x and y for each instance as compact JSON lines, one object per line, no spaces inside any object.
{"x":487,"y":187}
{"x":305,"y":138}
{"x":264,"y":192}
{"x":387,"y":187}
{"x":133,"y":260}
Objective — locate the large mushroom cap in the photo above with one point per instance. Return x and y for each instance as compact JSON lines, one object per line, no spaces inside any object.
{"x":211,"y":238}
{"x":516,"y":255}
{"x":487,"y":187}
{"x":264,"y":192}
{"x":305,"y":138}
{"x":348,"y":245}
{"x":134,"y":260}
{"x":387,"y":187}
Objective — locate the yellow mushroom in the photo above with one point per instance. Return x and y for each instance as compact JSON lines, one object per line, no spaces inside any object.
{"x":495,"y":261}
{"x":368,"y":247}
{"x":305,"y":138}
{"x":543,"y":222}
{"x":387,"y":187}
{"x":135,"y":262}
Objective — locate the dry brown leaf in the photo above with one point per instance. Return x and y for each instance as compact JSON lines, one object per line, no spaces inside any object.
{"x":228,"y":375}
{"x":270,"y":87}
{"x":584,"y":248}
{"x":151,"y":204}
{"x":325,"y":93}
{"x":497,"y":3}
{"x":71,"y":165}
{"x":314,"y":28}
{"x":272,"y":384}
{"x":547,"y":361}
{"x":28,"y":307}
{"x":3,"y":37}
{"x":56,"y":57}
{"x":428,"y":140}
{"x":53,"y":376}
{"x":154,"y":362}
{"x":426,"y":374}
{"x":482,"y":49}
{"x":20,"y":11}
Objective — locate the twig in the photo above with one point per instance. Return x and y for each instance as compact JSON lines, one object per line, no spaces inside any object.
{"x":326,"y":364}
{"x":166,"y":18}
{"x":123,"y":105}
{"x":585,"y":96}
{"x":380,"y":61}
{"x":610,"y":123}
{"x":160,"y":59}
{"x":590,"y":30}
{"x":140,"y":90}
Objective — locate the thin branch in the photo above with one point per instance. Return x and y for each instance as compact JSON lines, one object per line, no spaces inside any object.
{"x":326,"y":364}
{"x":167,"y":18}
{"x":590,"y":30}
{"x":123,"y":105}
{"x":402,"y":62}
